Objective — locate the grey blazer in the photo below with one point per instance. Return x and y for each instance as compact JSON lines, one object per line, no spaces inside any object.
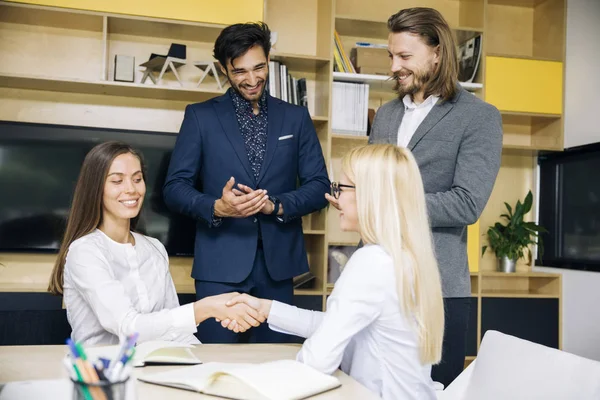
{"x":458,"y":148}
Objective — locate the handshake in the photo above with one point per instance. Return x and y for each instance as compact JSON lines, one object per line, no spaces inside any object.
{"x":236,"y":312}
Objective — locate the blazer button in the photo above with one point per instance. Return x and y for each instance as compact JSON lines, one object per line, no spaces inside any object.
{"x":254,"y":220}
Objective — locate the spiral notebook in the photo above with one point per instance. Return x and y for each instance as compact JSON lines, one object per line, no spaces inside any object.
{"x":276,"y":380}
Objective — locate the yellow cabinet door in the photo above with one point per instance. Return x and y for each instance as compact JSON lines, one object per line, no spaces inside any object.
{"x":473,"y":247}
{"x":522,"y":85}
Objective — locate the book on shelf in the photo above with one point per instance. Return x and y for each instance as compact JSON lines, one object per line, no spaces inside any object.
{"x":286,"y":87}
{"x":304,"y":281}
{"x":350,"y":105}
{"x":469,"y":55}
{"x":275,"y":380}
{"x":341,"y":60}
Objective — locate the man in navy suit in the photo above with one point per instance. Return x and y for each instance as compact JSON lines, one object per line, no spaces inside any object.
{"x":246,"y":166}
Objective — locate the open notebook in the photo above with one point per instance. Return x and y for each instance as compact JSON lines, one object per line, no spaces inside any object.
{"x":276,"y":380}
{"x":152,"y":352}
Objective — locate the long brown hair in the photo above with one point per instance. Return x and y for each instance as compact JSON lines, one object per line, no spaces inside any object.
{"x":86,"y":209}
{"x":433,"y":30}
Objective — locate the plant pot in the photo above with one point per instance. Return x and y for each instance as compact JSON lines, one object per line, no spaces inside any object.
{"x":507,"y":265}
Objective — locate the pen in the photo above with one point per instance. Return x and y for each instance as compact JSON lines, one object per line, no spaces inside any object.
{"x":91,"y":372}
{"x":80,"y":377}
{"x":116,"y":372}
{"x":125,"y":354}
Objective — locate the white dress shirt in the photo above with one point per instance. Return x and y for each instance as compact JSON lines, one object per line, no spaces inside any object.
{"x":363,"y":331}
{"x":413,"y":116}
{"x":113,"y":289}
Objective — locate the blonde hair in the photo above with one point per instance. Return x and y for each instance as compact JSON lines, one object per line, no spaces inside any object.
{"x":392,"y":213}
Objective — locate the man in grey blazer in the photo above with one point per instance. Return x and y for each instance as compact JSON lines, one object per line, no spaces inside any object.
{"x":457,"y":141}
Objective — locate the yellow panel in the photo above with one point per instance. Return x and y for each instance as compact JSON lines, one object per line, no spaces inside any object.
{"x":473,"y":247}
{"x":212,"y":11}
{"x":523,"y":85}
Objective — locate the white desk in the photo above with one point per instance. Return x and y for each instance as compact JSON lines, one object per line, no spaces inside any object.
{"x":19,"y":363}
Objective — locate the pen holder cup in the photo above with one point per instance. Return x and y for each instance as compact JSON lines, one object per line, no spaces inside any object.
{"x":104,"y":390}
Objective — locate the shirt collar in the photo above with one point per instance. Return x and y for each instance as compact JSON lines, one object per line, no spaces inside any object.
{"x":410,"y":104}
{"x":243,"y":105}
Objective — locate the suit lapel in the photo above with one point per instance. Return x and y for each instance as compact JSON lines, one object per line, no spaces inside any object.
{"x":274,"y":129}
{"x":435,"y":115}
{"x":226,"y":114}
{"x":395,"y":124}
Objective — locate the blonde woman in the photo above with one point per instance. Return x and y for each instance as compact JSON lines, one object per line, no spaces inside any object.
{"x":384,"y":322}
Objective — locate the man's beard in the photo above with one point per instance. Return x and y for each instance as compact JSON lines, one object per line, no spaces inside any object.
{"x":419,"y":80}
{"x":239,"y":92}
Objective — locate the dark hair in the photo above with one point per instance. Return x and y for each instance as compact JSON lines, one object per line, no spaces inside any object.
{"x":433,"y":29}
{"x":86,"y":209}
{"x":235,"y":40}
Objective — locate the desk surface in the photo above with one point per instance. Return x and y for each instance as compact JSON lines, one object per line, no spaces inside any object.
{"x":19,"y":363}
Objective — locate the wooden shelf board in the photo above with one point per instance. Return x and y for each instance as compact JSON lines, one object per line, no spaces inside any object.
{"x":343,"y":243}
{"x":508,"y":146}
{"x":185,"y":289}
{"x":470,"y":358}
{"x":320,"y":118}
{"x":517,"y":294}
{"x":308,"y":292}
{"x":357,"y":138}
{"x":24,"y":287}
{"x":106,"y":87}
{"x":381,"y":80}
{"x":527,"y":114}
{"x":112,"y":88}
{"x":508,"y":55}
{"x":350,"y":26}
{"x":516,"y":3}
{"x":314,"y":232}
{"x":145,"y":27}
{"x":528,"y":274}
{"x":299,"y":62}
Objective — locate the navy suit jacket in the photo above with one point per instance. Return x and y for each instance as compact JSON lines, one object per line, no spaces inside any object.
{"x":209,"y":150}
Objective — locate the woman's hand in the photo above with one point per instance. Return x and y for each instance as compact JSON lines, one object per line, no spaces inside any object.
{"x":261,"y":305}
{"x":245,"y":316}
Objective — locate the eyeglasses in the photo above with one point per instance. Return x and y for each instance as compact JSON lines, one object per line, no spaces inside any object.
{"x":336,"y":189}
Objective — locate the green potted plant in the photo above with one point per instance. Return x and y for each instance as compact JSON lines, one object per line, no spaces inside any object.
{"x":510,"y":241}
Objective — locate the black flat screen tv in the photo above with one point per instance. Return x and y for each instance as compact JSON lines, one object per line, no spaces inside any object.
{"x":570,"y":208}
{"x":39,"y":166}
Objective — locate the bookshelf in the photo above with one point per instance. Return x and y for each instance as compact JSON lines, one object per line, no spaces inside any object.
{"x":57,"y":65}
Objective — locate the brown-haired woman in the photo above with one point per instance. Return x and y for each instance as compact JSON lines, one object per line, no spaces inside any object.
{"x":116,"y":281}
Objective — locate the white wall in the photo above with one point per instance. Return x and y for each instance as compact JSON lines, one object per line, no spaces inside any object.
{"x":581,"y":289}
{"x":582,"y":73}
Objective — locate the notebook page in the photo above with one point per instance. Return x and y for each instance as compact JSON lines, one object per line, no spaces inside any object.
{"x":284,"y":379}
{"x":196,"y":378}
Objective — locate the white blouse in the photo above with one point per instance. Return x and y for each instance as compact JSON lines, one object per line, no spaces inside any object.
{"x":113,"y":289}
{"x":363,"y":331}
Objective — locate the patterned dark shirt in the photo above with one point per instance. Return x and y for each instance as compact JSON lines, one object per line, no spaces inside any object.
{"x":253,"y":128}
